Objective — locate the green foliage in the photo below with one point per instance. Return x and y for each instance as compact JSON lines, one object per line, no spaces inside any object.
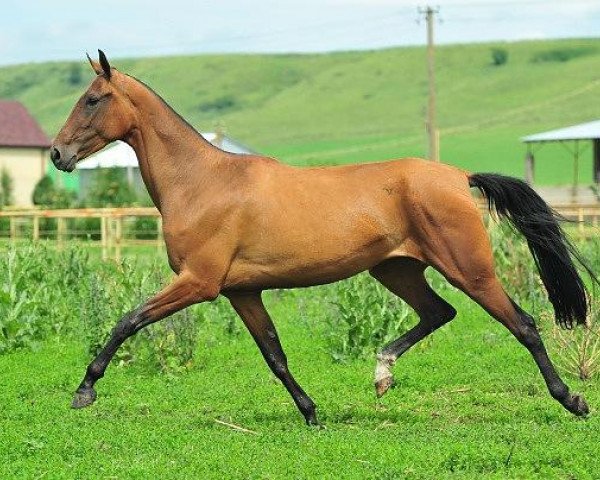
{"x":6,"y":188}
{"x":116,"y":290}
{"x":48,"y":294}
{"x":578,"y":350}
{"x":516,"y":269}
{"x":75,"y":77}
{"x":562,"y":54}
{"x":48,"y":195}
{"x":18,"y":324}
{"x":110,"y":189}
{"x":218,"y":105}
{"x":499,"y":56}
{"x":145,"y":228}
{"x":29,"y":313}
{"x":366,"y":317}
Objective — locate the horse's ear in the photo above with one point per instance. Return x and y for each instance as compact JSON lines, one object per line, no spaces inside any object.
{"x":95,"y":65}
{"x":104,"y":63}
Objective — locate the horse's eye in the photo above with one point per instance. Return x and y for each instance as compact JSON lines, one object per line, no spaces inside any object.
{"x":91,"y":101}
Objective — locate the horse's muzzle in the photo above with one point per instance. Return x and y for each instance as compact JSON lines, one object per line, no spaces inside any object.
{"x":63,"y":158}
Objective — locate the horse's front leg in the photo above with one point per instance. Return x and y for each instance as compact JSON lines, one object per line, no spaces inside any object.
{"x":184,"y":291}
{"x":250,"y":308}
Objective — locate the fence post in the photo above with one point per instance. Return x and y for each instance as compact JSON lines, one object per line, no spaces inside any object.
{"x":118,"y":235}
{"x":103,"y":235}
{"x":13,"y":229}
{"x":36,"y":227}
{"x":159,"y":233}
{"x":580,"y":219}
{"x":60,"y":231}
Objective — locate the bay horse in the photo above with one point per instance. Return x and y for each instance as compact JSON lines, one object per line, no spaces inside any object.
{"x":239,"y":224}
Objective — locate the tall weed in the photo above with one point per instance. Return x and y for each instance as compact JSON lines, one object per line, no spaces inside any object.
{"x":366,"y":316}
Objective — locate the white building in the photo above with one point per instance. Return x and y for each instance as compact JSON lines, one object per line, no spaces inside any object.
{"x":121,"y":155}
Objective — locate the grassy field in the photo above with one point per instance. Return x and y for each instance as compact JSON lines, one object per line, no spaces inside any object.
{"x":469,"y":403}
{"x":361,"y":106}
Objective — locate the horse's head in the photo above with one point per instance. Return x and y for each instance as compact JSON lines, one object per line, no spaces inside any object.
{"x":102,"y":115}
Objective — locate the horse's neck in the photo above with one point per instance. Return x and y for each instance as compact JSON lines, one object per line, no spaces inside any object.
{"x":173,"y":157}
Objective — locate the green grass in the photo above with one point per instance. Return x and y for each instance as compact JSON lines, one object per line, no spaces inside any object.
{"x":470,"y":405}
{"x":362,"y":106}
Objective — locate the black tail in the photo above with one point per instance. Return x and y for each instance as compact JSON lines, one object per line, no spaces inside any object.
{"x":551,"y":250}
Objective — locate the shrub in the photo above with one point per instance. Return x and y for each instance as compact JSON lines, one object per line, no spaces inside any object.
{"x":218,"y":105}
{"x":47,"y":194}
{"x":561,"y":54}
{"x":366,"y":317}
{"x":145,"y":228}
{"x":6,"y":188}
{"x":110,"y":189}
{"x":74,"y":75}
{"x":499,"y":56}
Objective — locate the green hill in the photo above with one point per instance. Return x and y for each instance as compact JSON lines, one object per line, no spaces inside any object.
{"x":361,"y":106}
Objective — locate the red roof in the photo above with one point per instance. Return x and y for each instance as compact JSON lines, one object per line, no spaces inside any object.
{"x":18,"y":128}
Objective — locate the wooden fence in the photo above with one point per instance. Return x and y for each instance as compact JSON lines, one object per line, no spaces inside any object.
{"x":111,"y":234}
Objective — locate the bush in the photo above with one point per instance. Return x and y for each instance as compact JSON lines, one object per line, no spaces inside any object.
{"x":499,"y":56}
{"x":366,"y":317}
{"x":561,"y":54}
{"x":110,"y":189}
{"x":6,"y":188}
{"x":48,"y":195}
{"x":145,"y":228}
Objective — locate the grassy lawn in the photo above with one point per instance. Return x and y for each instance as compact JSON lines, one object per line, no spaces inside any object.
{"x":470,"y":404}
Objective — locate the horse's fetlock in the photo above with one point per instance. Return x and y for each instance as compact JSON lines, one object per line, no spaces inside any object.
{"x":559,"y":392}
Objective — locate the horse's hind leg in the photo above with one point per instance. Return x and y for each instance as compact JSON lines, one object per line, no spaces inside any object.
{"x":404,"y":277}
{"x":490,"y":295}
{"x":466,"y":260}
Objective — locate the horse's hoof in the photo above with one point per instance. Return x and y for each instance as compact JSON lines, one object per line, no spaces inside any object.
{"x":313,"y":422}
{"x":383,"y":385}
{"x":578,"y":406}
{"x":84,"y":397}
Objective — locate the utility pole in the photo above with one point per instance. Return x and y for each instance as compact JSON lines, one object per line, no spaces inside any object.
{"x":432,"y":130}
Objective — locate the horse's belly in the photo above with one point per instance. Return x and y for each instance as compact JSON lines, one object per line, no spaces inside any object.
{"x":313,"y":264}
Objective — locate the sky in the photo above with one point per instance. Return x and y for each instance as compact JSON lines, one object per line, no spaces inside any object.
{"x":34,"y":31}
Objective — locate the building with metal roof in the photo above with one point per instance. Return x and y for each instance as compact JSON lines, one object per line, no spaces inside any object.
{"x":575,"y":138}
{"x":23,"y":150}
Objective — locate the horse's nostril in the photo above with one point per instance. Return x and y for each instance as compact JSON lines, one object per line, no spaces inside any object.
{"x":55,"y":154}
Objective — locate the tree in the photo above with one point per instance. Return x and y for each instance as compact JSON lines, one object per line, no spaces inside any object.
{"x":110,"y":189}
{"x":6,"y":188}
{"x":47,"y":194}
{"x":74,"y":75}
{"x":499,"y":56}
